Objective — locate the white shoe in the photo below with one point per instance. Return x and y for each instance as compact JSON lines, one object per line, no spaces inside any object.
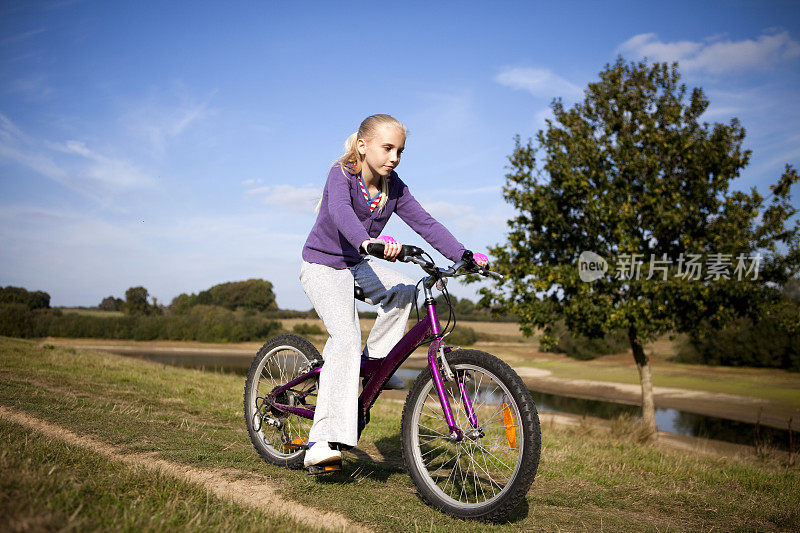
{"x":394,"y":383}
{"x":320,"y":454}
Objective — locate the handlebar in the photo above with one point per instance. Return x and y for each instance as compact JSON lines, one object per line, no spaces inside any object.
{"x":412,"y":254}
{"x":406,"y":251}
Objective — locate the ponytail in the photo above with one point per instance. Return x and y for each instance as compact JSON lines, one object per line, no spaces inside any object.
{"x":350,"y":160}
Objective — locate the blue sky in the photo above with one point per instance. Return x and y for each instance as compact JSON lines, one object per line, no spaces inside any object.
{"x":182,"y":145}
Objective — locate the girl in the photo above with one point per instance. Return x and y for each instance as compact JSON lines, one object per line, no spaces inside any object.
{"x":361,"y":193}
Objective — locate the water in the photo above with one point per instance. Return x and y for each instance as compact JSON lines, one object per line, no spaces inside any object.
{"x":669,"y":420}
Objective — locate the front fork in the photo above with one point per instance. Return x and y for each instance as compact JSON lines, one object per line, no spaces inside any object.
{"x":436,"y":355}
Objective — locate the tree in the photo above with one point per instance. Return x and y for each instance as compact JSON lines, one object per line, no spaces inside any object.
{"x":251,"y":294}
{"x":19,"y":295}
{"x":136,"y":301}
{"x":110,"y":303}
{"x":632,"y":170}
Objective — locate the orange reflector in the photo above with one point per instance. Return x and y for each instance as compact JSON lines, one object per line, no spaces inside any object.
{"x":332,"y":467}
{"x":295,"y":443}
{"x":508,"y":422}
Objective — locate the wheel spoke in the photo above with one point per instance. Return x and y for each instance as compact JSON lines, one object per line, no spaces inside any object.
{"x":476,"y":469}
{"x":276,"y":368}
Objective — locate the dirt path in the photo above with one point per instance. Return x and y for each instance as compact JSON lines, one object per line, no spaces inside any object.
{"x":255,"y":491}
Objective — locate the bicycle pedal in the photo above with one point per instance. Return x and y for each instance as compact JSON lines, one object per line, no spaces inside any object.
{"x":295,"y":444}
{"x":316,"y":470}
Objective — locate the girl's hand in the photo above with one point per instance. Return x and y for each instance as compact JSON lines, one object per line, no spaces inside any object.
{"x":481,"y":259}
{"x":391,"y":248}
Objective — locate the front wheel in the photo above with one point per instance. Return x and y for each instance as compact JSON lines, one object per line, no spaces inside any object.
{"x":488,"y":472}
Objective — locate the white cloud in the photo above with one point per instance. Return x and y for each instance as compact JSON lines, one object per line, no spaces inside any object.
{"x":166,"y":115}
{"x":32,"y":89}
{"x":297,"y":199}
{"x":446,"y":210}
{"x":80,"y":258}
{"x":715,"y":56}
{"x":95,"y":175}
{"x":97,"y":171}
{"x":21,"y":36}
{"x":466,"y":219}
{"x":539,"y":82}
{"x":540,"y":116}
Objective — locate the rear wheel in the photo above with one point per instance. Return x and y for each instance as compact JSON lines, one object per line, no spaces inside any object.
{"x":278,"y":437}
{"x":488,"y":472}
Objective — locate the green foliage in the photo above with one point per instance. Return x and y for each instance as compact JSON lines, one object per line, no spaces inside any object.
{"x":182,"y":303}
{"x":202,"y":323}
{"x":30,"y":299}
{"x":307,"y":329}
{"x":18,"y":320}
{"x":136,"y":302}
{"x":581,"y":347}
{"x":773,"y":340}
{"x":251,"y":294}
{"x":466,"y":309}
{"x":462,"y":336}
{"x":632,"y":169}
{"x":111,"y":304}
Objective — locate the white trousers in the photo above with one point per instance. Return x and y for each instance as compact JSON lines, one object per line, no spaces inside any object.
{"x":331,"y":293}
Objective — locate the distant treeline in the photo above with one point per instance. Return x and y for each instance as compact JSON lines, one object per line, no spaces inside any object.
{"x":771,"y":342}
{"x":467,"y":310}
{"x":253,"y":294}
{"x":28,"y":299}
{"x":202,"y":323}
{"x":235,"y":314}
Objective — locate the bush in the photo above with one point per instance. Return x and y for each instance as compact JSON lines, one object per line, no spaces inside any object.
{"x":110,"y":303}
{"x":462,"y":336}
{"x":580,"y":347}
{"x":202,"y":323}
{"x":30,"y":299}
{"x":307,"y":329}
{"x":770,"y":342}
{"x":18,"y":320}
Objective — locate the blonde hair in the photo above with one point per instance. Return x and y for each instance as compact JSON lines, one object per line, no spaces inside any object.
{"x":350,"y":160}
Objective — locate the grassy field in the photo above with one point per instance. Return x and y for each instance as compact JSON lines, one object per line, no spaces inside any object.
{"x":493,"y":331}
{"x":774,"y":385}
{"x":588,"y":479}
{"x":503,"y":339}
{"x":48,"y":484}
{"x":91,"y":312}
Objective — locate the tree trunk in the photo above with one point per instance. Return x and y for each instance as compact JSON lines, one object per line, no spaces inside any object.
{"x":643,"y":365}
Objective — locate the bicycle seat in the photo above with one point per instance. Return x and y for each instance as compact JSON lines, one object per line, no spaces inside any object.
{"x":358,"y":292}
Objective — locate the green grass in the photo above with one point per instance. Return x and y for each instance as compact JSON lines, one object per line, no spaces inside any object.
{"x":49,"y":485}
{"x":769,"y":384}
{"x":587,"y":479}
{"x":90,"y":312}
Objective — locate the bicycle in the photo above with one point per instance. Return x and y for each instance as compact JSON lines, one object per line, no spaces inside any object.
{"x":469,"y":429}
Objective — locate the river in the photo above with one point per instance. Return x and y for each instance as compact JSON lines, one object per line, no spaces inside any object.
{"x":668,"y":420}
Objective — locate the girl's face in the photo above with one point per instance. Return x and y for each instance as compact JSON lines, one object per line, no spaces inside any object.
{"x":382,"y":152}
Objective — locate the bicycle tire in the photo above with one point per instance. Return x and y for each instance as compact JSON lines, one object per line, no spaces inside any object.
{"x":475,"y":462}
{"x":277,"y":362}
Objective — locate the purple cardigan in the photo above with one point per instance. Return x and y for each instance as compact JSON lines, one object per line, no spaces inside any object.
{"x":344,"y":221}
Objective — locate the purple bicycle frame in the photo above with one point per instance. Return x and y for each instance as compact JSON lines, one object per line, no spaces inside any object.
{"x":378,"y":372}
